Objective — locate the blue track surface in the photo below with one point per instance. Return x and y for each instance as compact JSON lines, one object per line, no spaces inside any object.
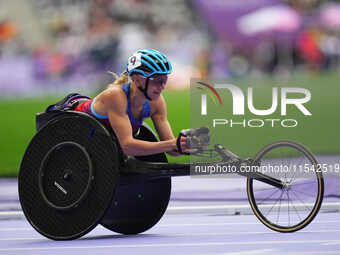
{"x":200,"y":220}
{"x":183,"y":234}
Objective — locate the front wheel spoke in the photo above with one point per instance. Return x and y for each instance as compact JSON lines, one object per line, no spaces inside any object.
{"x":288,"y":209}
{"x":304,"y":183}
{"x":274,"y":203}
{"x":276,"y":190}
{"x":267,"y":189}
{"x":293,"y":177}
{"x":309,"y":195}
{"x":278,"y":214}
{"x":296,"y":211}
{"x":300,"y":162}
{"x":301,"y":200}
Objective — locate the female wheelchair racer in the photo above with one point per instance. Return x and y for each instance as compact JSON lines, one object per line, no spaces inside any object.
{"x":123,"y":106}
{"x":73,"y":175}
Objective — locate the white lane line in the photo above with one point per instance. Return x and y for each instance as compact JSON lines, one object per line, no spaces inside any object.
{"x":309,"y":252}
{"x":251,"y":233}
{"x":14,"y":229}
{"x":332,"y":243}
{"x":205,"y":208}
{"x":253,"y":252}
{"x":241,"y":206}
{"x":11,"y":213}
{"x":233,"y":206}
{"x":22,"y":239}
{"x":195,"y":234}
{"x":183,"y":225}
{"x":232,"y":223}
{"x":197,"y":244}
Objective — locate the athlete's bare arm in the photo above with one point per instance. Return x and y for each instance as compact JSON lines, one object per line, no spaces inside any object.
{"x":161,"y":123}
{"x":115,"y":104}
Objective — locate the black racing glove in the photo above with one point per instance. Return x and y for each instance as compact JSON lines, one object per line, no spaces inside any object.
{"x":196,"y":139}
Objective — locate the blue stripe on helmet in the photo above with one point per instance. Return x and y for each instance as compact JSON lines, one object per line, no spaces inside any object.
{"x":148,"y":51}
{"x":148,"y":65}
{"x":164,"y":58}
{"x":154,"y":53}
{"x":161,"y":61}
{"x":152,"y":61}
{"x":157,"y":54}
{"x":170,"y":67}
{"x":160,"y":55}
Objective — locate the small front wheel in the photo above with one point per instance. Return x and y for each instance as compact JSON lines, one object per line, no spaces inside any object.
{"x":294,"y":205}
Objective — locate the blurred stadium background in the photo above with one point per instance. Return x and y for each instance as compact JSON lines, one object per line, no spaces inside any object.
{"x":49,"y":48}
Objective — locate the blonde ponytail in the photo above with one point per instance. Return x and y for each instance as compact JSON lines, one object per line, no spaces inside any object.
{"x":123,"y":79}
{"x":119,"y":80}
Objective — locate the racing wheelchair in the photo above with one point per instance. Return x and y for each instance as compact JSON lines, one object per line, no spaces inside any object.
{"x":74,"y":176}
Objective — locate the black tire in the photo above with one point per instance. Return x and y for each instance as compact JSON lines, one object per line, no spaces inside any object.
{"x":138,"y":206}
{"x":68,"y":176}
{"x":304,"y":190}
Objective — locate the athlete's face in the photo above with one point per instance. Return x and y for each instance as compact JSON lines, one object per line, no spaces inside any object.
{"x":156,"y":84}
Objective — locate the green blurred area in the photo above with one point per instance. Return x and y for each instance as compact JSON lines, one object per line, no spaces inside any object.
{"x":318,"y":132}
{"x":18,"y":125}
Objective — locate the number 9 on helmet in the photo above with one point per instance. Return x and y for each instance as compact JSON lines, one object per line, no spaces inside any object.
{"x":148,"y":62}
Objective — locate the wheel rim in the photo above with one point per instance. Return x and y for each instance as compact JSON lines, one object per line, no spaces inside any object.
{"x":68,"y":176}
{"x":63,"y":184}
{"x":293,"y":207}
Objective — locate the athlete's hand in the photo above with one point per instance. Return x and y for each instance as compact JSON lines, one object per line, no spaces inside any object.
{"x":184,"y":147}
